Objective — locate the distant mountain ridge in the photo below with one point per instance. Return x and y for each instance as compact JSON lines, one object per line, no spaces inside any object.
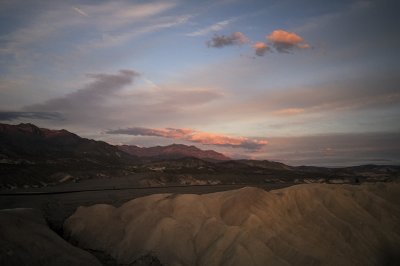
{"x":27,"y":141}
{"x":174,"y":151}
{"x":33,"y":156}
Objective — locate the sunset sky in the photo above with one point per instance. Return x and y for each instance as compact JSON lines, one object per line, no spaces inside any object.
{"x":301,"y":82}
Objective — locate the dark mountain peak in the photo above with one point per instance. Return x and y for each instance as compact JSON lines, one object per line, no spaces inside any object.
{"x":177,"y":145}
{"x":28,"y":126}
{"x":31,"y":130}
{"x":23,"y":127}
{"x":27,"y":141}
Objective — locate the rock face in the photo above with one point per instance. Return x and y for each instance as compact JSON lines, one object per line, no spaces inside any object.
{"x":25,"y":239}
{"x":174,"y":151}
{"x":316,"y":224}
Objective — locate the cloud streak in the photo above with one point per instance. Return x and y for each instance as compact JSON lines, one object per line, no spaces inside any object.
{"x":102,"y":87}
{"x":117,"y":21}
{"x":15,"y":115}
{"x":191,"y":135}
{"x":335,"y":149}
{"x":219,"y":41}
{"x":289,"y":111}
{"x":90,"y":104}
{"x":364,"y":94}
{"x":115,"y":99}
{"x":80,"y":11}
{"x":215,"y":27}
{"x":117,"y":38}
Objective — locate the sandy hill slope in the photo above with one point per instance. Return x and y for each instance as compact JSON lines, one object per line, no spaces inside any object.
{"x":25,"y":239}
{"x":301,"y":225}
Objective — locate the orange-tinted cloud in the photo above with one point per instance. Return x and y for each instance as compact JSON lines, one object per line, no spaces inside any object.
{"x":289,"y":111}
{"x":260,"y":48}
{"x":284,"y":41}
{"x":219,"y":41}
{"x":279,"y":40}
{"x":194,"y":136}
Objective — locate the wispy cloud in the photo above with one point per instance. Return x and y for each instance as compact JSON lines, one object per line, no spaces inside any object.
{"x":84,"y":105}
{"x":103,"y":85}
{"x":215,"y":27}
{"x":191,"y":135}
{"x":115,"y":99}
{"x":144,"y":10}
{"x":109,"y":24}
{"x":289,"y":111}
{"x":335,"y":149}
{"x":118,"y":38}
{"x":219,"y":41}
{"x":80,"y":11}
{"x":114,"y":15}
{"x":365,"y":93}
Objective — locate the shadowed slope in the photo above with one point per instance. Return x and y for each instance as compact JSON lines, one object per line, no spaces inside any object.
{"x":300,"y":225}
{"x":25,"y":239}
{"x":27,"y":141}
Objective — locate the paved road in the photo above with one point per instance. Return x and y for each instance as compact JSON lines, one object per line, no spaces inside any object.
{"x":196,"y":189}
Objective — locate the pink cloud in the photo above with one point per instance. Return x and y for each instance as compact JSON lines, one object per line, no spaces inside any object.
{"x":194,"y":136}
{"x":284,"y":41}
{"x":260,"y":48}
{"x":289,"y":111}
{"x":280,"y":40}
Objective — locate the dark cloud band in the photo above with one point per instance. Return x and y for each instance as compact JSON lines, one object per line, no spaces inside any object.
{"x":15,"y":115}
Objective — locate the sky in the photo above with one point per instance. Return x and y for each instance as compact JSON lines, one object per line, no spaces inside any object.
{"x":300,"y":82}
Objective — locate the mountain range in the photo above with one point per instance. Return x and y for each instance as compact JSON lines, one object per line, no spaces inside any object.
{"x":174,"y":151}
{"x":33,"y":156}
{"x":30,"y":155}
{"x":28,"y":141}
